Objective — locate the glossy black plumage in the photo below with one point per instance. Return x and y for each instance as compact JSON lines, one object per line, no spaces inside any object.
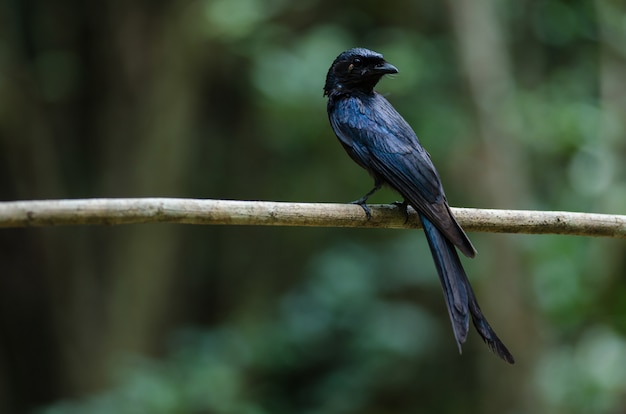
{"x":377,"y":138}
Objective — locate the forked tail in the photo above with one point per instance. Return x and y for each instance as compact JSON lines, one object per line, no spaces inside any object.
{"x":458,"y":293}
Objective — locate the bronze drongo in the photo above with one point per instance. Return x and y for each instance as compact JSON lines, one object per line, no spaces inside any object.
{"x":377,"y":138}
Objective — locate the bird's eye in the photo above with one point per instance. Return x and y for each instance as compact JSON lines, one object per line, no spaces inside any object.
{"x":357,"y":62}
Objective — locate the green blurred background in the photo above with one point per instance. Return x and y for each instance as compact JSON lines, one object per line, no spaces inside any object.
{"x":522,"y":105}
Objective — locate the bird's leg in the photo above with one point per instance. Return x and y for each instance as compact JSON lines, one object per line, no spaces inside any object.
{"x":362,"y":201}
{"x":402,"y":206}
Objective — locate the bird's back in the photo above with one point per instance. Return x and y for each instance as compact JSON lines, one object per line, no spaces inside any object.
{"x":377,"y":137}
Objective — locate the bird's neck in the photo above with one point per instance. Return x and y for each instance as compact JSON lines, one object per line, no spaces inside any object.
{"x":340,"y":91}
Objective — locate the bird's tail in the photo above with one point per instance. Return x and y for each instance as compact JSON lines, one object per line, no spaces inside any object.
{"x":458,"y":293}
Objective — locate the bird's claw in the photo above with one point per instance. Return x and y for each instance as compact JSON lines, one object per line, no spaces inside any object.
{"x":402,"y":205}
{"x":361,"y":201}
{"x":364,"y":206}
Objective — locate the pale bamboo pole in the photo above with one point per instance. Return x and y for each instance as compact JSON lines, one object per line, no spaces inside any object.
{"x":114,"y":211}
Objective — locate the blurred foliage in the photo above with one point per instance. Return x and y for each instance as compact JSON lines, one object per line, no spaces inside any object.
{"x":521,"y":105}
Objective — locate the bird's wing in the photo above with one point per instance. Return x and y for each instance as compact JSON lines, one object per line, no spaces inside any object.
{"x":381,"y":141}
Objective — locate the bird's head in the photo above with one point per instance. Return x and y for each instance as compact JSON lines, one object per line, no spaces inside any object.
{"x":356,"y":69}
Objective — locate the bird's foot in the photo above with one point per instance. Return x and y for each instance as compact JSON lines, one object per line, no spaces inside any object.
{"x":402,"y":206}
{"x":362,"y":202}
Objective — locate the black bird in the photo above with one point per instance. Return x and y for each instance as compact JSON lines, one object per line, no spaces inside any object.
{"x":377,"y":138}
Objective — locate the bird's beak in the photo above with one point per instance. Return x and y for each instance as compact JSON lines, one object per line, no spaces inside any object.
{"x":384,"y":68}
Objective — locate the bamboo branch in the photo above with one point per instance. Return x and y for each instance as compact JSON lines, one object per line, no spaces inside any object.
{"x":268,"y":213}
